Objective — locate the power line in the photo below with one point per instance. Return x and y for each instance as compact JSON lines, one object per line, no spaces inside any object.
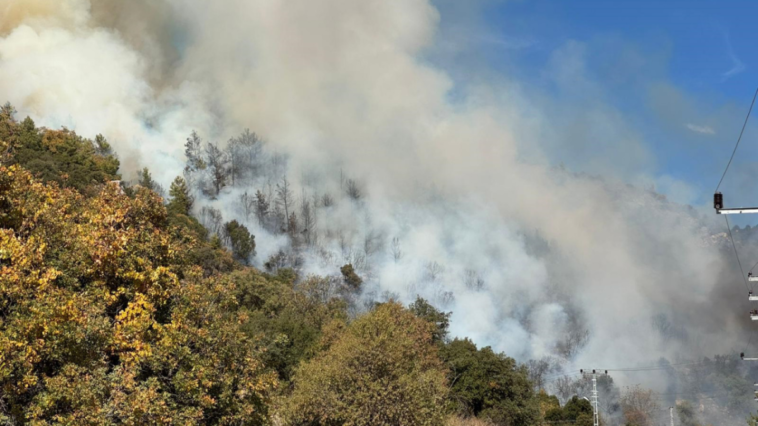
{"x":570,"y":374}
{"x":738,"y":141}
{"x":750,"y":340}
{"x":735,"y":253}
{"x":654,"y":367}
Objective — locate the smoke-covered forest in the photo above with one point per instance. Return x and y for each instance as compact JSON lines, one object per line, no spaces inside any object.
{"x":126,"y":302}
{"x":372,"y":212}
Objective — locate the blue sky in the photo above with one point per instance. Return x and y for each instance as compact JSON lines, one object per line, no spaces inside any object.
{"x":669,"y":82}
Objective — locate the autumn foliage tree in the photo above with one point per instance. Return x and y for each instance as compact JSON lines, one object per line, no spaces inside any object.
{"x":640,"y":406}
{"x":102,"y":321}
{"x":381,"y":369}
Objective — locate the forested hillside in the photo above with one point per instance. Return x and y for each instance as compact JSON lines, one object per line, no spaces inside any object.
{"x":118,"y":306}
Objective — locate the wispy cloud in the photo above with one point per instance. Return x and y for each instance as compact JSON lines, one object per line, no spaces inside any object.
{"x":737,"y":65}
{"x":701,"y":129}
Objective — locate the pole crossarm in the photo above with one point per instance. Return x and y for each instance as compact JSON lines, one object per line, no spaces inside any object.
{"x":718,"y":204}
{"x":739,"y":210}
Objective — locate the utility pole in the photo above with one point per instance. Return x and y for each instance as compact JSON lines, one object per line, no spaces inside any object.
{"x":595,"y":416}
{"x":671,"y":413}
{"x":594,"y":401}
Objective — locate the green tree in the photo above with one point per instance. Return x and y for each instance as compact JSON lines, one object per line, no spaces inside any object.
{"x":489,"y":385}
{"x":261,"y":209}
{"x":577,"y":408}
{"x":181,"y":199}
{"x":193,"y":151}
{"x":287,"y":321}
{"x":59,"y":156}
{"x":351,"y":278}
{"x":686,"y":414}
{"x":242,"y":242}
{"x":102,"y":147}
{"x":441,"y":320}
{"x":146,"y":181}
{"x":381,"y":369}
{"x":218,"y":165}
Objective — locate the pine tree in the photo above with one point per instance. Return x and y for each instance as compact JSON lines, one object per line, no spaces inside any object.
{"x":181,"y":199}
{"x":240,"y":239}
{"x":308,"y":219}
{"x":351,"y":278}
{"x":218,"y":164}
{"x":284,"y":197}
{"x":102,"y":147}
{"x":247,"y":205}
{"x":146,"y":181}
{"x":292,"y":226}
{"x":261,"y":208}
{"x":193,"y":150}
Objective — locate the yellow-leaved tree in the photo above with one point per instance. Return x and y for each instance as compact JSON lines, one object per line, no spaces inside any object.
{"x":382,"y":369}
{"x":104,"y":321}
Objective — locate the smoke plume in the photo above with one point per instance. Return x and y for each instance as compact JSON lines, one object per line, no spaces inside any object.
{"x":463,"y":202}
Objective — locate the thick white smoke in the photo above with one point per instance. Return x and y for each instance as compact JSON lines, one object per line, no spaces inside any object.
{"x":532,"y":255}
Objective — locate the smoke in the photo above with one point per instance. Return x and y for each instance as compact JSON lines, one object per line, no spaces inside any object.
{"x":532,"y":259}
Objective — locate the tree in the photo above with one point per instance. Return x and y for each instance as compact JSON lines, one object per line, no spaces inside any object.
{"x":579,"y":411}
{"x":489,"y":385}
{"x":146,"y":181}
{"x":261,"y":208}
{"x":292,"y":226}
{"x":550,"y":408}
{"x":284,"y":197}
{"x":441,"y":320}
{"x":60,"y":156}
{"x":103,"y":321}
{"x":351,"y":278}
{"x":353,"y":190}
{"x":287,"y":320}
{"x":247,"y":205}
{"x":539,"y":368}
{"x":243,"y":244}
{"x":7,"y":129}
{"x":396,"y":250}
{"x":327,"y":200}
{"x":193,"y":151}
{"x":218,"y":166}
{"x":181,"y":199}
{"x":102,"y":147}
{"x":243,"y":152}
{"x":381,"y":369}
{"x":686,"y":413}
{"x":639,"y":406}
{"x":308,"y":218}
{"x":211,"y":219}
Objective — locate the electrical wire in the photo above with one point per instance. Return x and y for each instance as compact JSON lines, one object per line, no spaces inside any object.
{"x":742,"y":271}
{"x":738,"y":141}
{"x":654,"y":367}
{"x":751,"y":269}
{"x":573,"y":373}
{"x":749,"y":341}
